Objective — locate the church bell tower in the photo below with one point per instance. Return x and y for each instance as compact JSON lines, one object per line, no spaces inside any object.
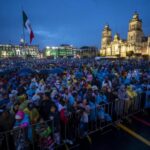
{"x":135,"y":32}
{"x":106,"y":36}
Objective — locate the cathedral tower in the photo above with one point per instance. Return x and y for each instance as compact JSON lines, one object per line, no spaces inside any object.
{"x":106,"y":36}
{"x":135,"y":32}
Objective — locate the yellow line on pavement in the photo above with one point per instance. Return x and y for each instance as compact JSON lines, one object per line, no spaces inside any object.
{"x":89,"y":139}
{"x":66,"y":146}
{"x":137,"y":136}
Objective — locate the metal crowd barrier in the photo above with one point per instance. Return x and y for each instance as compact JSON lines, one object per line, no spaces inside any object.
{"x":44,"y":135}
{"x":147,"y":102}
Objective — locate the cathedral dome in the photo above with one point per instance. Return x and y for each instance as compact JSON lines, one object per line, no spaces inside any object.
{"x":107,"y":28}
{"x":116,"y":36}
{"x":135,"y":16}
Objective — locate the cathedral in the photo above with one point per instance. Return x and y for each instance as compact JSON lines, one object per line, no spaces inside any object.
{"x":136,"y":44}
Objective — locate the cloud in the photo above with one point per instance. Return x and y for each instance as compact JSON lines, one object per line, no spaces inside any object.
{"x":46,"y":34}
{"x":52,"y":37}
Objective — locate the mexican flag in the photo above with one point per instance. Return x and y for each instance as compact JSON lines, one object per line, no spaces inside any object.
{"x":27,"y":25}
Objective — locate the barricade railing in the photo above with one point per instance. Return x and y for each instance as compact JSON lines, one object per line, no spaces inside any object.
{"x":47,"y":135}
{"x":147,"y":101}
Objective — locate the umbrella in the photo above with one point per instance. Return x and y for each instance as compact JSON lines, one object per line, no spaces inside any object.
{"x":26,"y":70}
{"x":6,"y":72}
{"x":22,"y":74}
{"x":56,"y":70}
{"x":45,"y":71}
{"x":64,"y":67}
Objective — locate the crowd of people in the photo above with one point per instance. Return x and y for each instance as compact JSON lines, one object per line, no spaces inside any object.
{"x":51,"y":95}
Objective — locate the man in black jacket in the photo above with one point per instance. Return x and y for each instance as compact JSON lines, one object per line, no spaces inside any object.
{"x":46,"y":105}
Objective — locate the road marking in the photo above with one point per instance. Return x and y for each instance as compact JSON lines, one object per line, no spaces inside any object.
{"x":89,"y":139}
{"x":137,"y":136}
{"x":142,"y":121}
{"x":66,"y":146}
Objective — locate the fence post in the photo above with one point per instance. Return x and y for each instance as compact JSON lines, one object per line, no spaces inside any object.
{"x":7,"y":143}
{"x":32,"y":128}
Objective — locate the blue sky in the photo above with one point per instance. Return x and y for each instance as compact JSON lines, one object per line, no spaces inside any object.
{"x":76,"y":22}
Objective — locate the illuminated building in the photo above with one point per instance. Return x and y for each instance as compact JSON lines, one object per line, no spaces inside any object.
{"x":136,"y":44}
{"x":87,"y":51}
{"x":9,"y":50}
{"x":69,"y":51}
{"x":63,"y":50}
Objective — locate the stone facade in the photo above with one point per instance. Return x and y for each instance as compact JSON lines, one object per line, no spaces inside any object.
{"x":136,"y":44}
{"x":9,"y":50}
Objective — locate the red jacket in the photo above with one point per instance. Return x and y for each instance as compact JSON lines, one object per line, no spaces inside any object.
{"x":63,"y":116}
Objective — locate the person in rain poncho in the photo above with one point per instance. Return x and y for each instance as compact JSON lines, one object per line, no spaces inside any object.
{"x":32,"y":112}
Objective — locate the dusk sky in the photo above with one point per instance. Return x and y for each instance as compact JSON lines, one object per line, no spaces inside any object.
{"x":75,"y":22}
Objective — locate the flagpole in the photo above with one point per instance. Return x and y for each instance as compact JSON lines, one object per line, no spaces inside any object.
{"x":23,"y":31}
{"x":23,"y":34}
